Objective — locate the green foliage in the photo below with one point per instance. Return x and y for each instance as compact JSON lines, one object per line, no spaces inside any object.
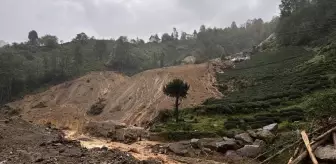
{"x":177,"y":88}
{"x":33,"y":36}
{"x":306,"y":22}
{"x":323,"y":106}
{"x":49,"y":41}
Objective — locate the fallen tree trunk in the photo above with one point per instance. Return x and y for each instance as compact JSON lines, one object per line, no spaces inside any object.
{"x":305,"y":154}
{"x":324,"y":134}
{"x":309,"y":149}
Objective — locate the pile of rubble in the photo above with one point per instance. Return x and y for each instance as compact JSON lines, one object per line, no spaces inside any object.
{"x":24,"y":142}
{"x":244,"y":145}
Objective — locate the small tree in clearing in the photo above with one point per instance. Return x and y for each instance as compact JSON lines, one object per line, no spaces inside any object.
{"x":176,"y":89}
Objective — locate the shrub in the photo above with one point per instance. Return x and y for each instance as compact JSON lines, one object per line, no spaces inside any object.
{"x":323,"y":105}
{"x":295,"y":118}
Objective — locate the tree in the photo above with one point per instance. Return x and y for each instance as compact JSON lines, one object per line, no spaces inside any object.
{"x":195,"y":33}
{"x":100,"y":48}
{"x":49,"y":41}
{"x":202,"y":28}
{"x":166,"y":37}
{"x":81,"y":37}
{"x":78,"y":57}
{"x":234,"y":25}
{"x":33,"y":36}
{"x":183,"y":36}
{"x":175,"y":34}
{"x":177,"y":89}
{"x":154,"y":38}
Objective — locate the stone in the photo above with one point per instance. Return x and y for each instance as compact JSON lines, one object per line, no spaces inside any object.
{"x":224,"y":146}
{"x":228,"y":139}
{"x":36,"y":157}
{"x":244,"y":137}
{"x":250,"y":151}
{"x":209,"y":143}
{"x":252,"y":133}
{"x":272,"y":127}
{"x":326,"y":152}
{"x":194,"y":142}
{"x":233,"y":155}
{"x":265,"y":135}
{"x":260,"y":143}
{"x":180,"y":148}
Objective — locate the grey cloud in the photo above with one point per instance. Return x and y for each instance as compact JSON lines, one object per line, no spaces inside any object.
{"x":112,"y":18}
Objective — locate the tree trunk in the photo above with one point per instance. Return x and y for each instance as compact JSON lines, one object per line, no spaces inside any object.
{"x":176,"y":109}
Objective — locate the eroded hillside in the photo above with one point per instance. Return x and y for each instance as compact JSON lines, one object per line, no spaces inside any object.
{"x":132,"y":100}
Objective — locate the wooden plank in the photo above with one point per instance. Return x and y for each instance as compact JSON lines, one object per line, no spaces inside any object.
{"x":309,"y":149}
{"x":305,"y":153}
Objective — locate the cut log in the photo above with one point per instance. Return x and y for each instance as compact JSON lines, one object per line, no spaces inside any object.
{"x":309,"y":149}
{"x":305,"y":154}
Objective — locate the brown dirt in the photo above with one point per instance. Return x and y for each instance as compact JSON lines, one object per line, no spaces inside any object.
{"x":23,"y":143}
{"x":132,"y":100}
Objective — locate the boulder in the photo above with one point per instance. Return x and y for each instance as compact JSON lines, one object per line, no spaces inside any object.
{"x":326,"y":152}
{"x":209,"y":143}
{"x":189,"y":60}
{"x":194,"y":142}
{"x":232,"y":155}
{"x":265,"y":135}
{"x":180,"y":148}
{"x":250,"y":151}
{"x":260,"y":143}
{"x":115,"y":131}
{"x":252,"y":133}
{"x":244,"y":137}
{"x":272,"y":127}
{"x":224,"y":146}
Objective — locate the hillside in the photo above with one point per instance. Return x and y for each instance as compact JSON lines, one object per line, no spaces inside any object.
{"x":134,"y":100}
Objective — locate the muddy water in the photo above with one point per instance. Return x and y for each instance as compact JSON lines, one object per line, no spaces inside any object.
{"x":140,"y":150}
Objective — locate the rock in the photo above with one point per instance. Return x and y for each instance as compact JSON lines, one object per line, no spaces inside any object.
{"x":232,"y":155}
{"x":209,"y":143}
{"x":272,"y":127}
{"x":244,"y":137}
{"x":260,"y":143}
{"x":228,"y":139}
{"x":189,"y":60}
{"x":252,"y":133}
{"x":194,"y":142}
{"x":250,"y":151}
{"x":180,"y":148}
{"x":36,"y":157}
{"x":73,"y":152}
{"x":265,"y":135}
{"x":224,"y":146}
{"x":326,"y":152}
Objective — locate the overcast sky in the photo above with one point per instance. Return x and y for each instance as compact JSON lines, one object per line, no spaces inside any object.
{"x":113,"y":18}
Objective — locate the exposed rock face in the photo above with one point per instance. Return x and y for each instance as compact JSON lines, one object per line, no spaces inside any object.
{"x":194,"y":143}
{"x":272,"y":127}
{"x":326,"y":153}
{"x":244,"y":137}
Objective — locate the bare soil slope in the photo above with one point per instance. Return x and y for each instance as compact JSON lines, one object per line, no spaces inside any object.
{"x":132,"y":100}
